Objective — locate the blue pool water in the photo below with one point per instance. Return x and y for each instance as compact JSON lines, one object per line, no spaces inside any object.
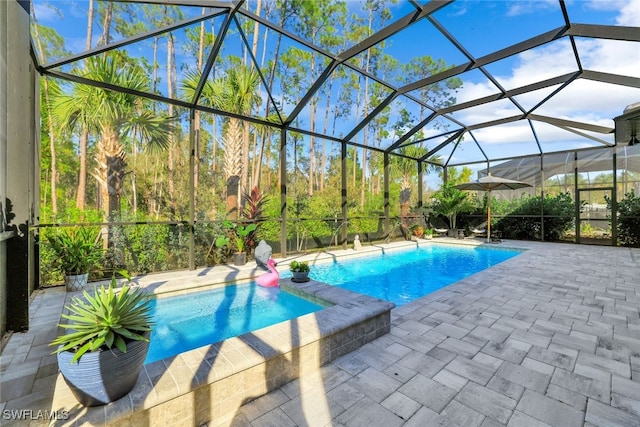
{"x":189,"y":321}
{"x":196,"y":319}
{"x":401,"y":277}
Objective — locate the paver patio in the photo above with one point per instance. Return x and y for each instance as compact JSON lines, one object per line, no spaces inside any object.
{"x":548,"y":338}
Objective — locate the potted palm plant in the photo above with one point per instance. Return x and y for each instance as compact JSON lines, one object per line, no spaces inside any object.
{"x":102,"y":354}
{"x":77,"y":250}
{"x":300,"y":271}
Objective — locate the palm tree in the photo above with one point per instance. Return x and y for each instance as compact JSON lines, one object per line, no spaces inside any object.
{"x":450,"y":202}
{"x":113,"y":116}
{"x":235,"y":92}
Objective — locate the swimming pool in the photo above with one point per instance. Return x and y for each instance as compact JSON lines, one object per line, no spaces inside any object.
{"x":188,"y":321}
{"x":403,"y":276}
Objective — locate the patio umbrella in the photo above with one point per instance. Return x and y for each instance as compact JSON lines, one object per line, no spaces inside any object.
{"x":489,"y":183}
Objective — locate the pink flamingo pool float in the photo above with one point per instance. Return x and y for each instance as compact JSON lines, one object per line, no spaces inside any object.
{"x":270,"y":279}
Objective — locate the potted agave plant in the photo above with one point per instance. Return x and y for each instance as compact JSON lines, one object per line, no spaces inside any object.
{"x":102,"y":354}
{"x":77,"y":250}
{"x":300,"y":271}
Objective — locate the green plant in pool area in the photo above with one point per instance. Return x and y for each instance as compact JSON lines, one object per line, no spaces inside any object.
{"x":628,"y":219}
{"x":77,"y":249}
{"x":254,"y":210}
{"x":450,"y":202}
{"x":299,"y":266}
{"x":240,"y":233}
{"x":522,"y":220}
{"x":108,"y":318}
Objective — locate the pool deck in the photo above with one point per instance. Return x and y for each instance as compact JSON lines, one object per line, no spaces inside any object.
{"x":548,"y":338}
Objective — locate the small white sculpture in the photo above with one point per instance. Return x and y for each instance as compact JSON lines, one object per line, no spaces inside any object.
{"x":356,"y":243}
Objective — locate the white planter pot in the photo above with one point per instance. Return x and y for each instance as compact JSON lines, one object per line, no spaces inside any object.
{"x":76,"y":282}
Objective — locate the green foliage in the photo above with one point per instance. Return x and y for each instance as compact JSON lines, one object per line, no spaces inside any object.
{"x":154,"y":186}
{"x":104,"y":320}
{"x":363,"y":225}
{"x":77,"y":250}
{"x":299,"y":266}
{"x":254,"y":209}
{"x":450,"y":202}
{"x":523,"y":220}
{"x":144,"y":248}
{"x":628,"y":219}
{"x":240,"y":233}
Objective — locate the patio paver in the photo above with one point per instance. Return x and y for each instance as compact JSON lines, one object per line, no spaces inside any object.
{"x":548,"y":338}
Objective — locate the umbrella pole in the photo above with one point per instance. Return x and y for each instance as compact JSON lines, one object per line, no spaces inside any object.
{"x":489,"y":217}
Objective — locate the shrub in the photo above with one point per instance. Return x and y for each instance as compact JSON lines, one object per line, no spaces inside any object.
{"x":523,"y":222}
{"x":628,"y":219}
{"x":77,"y":250}
{"x":299,"y":266}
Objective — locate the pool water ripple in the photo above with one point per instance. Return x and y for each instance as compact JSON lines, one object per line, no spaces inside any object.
{"x":401,"y":277}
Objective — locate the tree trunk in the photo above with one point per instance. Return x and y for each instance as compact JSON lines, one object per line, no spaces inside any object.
{"x":233,"y":165}
{"x":110,"y":171}
{"x":256,"y":29}
{"x":170,"y":93}
{"x":106,"y":28}
{"x":257,"y":172}
{"x":246,"y":139}
{"x":197,"y":122}
{"x":364,"y":114}
{"x":81,"y":195}
{"x":52,"y":135}
{"x":82,"y":178}
{"x":323,"y":161}
{"x":52,"y":148}
{"x":405,"y":196}
{"x":89,"y":25}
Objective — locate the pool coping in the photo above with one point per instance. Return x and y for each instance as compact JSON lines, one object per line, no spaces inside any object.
{"x":186,"y":388}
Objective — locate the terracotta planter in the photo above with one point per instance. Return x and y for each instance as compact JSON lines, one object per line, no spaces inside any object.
{"x":103,"y":376}
{"x":76,"y":282}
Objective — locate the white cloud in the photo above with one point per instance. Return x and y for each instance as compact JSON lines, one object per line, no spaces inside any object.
{"x":524,"y":7}
{"x":45,"y":12}
{"x":583,"y":100}
{"x":629,"y":13}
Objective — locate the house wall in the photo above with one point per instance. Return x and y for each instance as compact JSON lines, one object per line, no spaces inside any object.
{"x":19,"y":135}
{"x":3,"y":166}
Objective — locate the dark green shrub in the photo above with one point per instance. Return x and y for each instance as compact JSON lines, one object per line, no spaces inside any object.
{"x":628,"y":219}
{"x":523,"y":221}
{"x":77,"y":250}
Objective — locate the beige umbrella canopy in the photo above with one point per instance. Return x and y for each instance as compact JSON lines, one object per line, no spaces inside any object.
{"x":489,"y":183}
